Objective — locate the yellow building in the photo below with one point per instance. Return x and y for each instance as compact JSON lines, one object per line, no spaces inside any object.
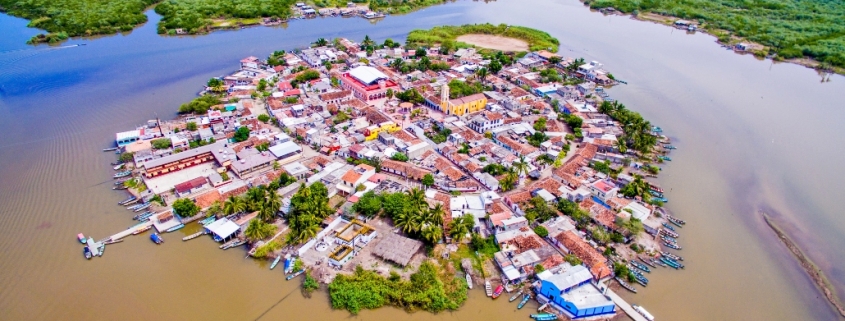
{"x":372,"y":132}
{"x":463,"y":105}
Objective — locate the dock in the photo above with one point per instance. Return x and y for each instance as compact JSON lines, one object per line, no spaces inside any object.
{"x":193,"y":236}
{"x":629,"y":310}
{"x":94,"y":247}
{"x":128,"y":231}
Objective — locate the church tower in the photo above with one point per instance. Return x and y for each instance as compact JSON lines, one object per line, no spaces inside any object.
{"x":444,"y":99}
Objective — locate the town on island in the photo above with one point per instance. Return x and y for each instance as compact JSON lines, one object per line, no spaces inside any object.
{"x":404,"y":175}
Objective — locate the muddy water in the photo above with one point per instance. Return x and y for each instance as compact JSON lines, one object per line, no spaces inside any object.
{"x":751,"y":135}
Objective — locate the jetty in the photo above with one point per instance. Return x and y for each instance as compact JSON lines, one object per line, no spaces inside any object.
{"x":627,"y":308}
{"x":127,"y":232}
{"x":193,"y":236}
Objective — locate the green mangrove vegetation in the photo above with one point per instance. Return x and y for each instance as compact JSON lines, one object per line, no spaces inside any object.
{"x":447,"y":35}
{"x":789,"y":28}
{"x":430,"y":289}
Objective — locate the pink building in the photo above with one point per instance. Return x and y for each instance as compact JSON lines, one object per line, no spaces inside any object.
{"x":367,"y":83}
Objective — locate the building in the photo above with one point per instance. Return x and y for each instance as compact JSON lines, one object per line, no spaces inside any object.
{"x":372,"y":132}
{"x":252,"y":161}
{"x":355,"y":177}
{"x":219,"y":152}
{"x":286,"y":152}
{"x":486,"y":121}
{"x":367,"y":83}
{"x":463,"y":105}
{"x":604,"y":190}
{"x":128,"y":137}
{"x":354,"y":234}
{"x":191,"y":186}
{"x":573,"y":293}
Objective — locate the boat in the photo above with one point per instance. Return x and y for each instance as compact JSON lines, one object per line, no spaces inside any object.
{"x":275,"y":262}
{"x":655,"y":188}
{"x":234,"y":245}
{"x":120,"y":187}
{"x":81,"y":238}
{"x":195,"y":235}
{"x":625,"y":285}
{"x":542,"y":307}
{"x":120,"y":181}
{"x":112,"y":242}
{"x":122,"y":174}
{"x":668,"y":239}
{"x":142,"y":230}
{"x":672,"y":245}
{"x":117,"y":162}
{"x":128,"y":201}
{"x":643,"y":312}
{"x":648,"y":262}
{"x":118,"y":167}
{"x":295,"y":274}
{"x":110,"y":149}
{"x":655,"y":193}
{"x":156,"y":238}
{"x":488,"y":288}
{"x":142,"y":207}
{"x":515,"y":296}
{"x":102,"y":248}
{"x":640,"y":278}
{"x":142,"y":215}
{"x":658,"y":262}
{"x":522,"y":303}
{"x":664,"y":158}
{"x":660,"y":199}
{"x":208,"y":220}
{"x":640,"y":266}
{"x":669,"y":227}
{"x":175,"y":228}
{"x":544,"y":316}
{"x":469,"y":281}
{"x":288,"y":264}
{"x":669,"y":147}
{"x":672,"y":256}
{"x":87,"y":253}
{"x":670,"y":263}
{"x":498,"y":291}
{"x":676,"y":221}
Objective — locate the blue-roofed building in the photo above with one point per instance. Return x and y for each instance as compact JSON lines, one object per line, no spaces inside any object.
{"x":572,"y":292}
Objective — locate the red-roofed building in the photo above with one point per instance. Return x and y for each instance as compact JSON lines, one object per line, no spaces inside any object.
{"x":604,"y":190}
{"x":367,"y":83}
{"x":190,"y":186}
{"x":592,"y":259}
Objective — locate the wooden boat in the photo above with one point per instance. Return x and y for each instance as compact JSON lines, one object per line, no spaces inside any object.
{"x":522,"y":303}
{"x":669,"y":263}
{"x":142,"y":207}
{"x":640,"y":266}
{"x":668,"y":239}
{"x":102,"y":248}
{"x":142,"y":230}
{"x":195,"y":235}
{"x":498,"y":291}
{"x":118,"y":167}
{"x":120,"y":187}
{"x":128,"y":201}
{"x":672,"y":256}
{"x":295,"y":274}
{"x":275,"y":262}
{"x":156,"y":238}
{"x":640,"y":278}
{"x":207,"y":221}
{"x":122,"y":174}
{"x":664,"y":158}
{"x":676,"y":221}
{"x":643,"y":312}
{"x":87,"y":253}
{"x":625,"y":285}
{"x":655,"y":188}
{"x":110,"y":149}
{"x":515,"y":296}
{"x":175,"y":228}
{"x":236,"y":244}
{"x":648,"y":262}
{"x":117,"y":162}
{"x":660,"y":199}
{"x":81,"y":238}
{"x":227,"y":244}
{"x":469,"y":281}
{"x":142,"y":215}
{"x":672,"y":245}
{"x":488,"y":288}
{"x":668,"y":227}
{"x":669,"y":147}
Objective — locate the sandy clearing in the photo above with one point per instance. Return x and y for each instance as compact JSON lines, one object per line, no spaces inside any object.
{"x":494,"y":42}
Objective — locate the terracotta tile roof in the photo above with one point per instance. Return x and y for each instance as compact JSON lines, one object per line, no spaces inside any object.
{"x":351,"y":176}
{"x":498,"y":207}
{"x":404,"y":135}
{"x":519,"y":197}
{"x":548,"y":184}
{"x":205,"y":200}
{"x":335,"y":95}
{"x":552,"y":261}
{"x":234,"y":192}
{"x":468,"y":184}
{"x":586,"y":253}
{"x":472,"y":167}
{"x":526,"y":242}
{"x":375,"y":116}
{"x":191,"y":184}
{"x":452,"y":173}
{"x":496,"y":219}
{"x":606,"y":217}
{"x":512,"y":120}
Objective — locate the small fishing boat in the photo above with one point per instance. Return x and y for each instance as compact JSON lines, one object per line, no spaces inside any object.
{"x":275,"y":262}
{"x":142,"y":207}
{"x":156,"y":238}
{"x":675,"y":220}
{"x":288,"y":264}
{"x":117,"y":162}
{"x":655,"y":193}
{"x":658,"y":262}
{"x":670,"y":263}
{"x":207,"y":221}
{"x":102,"y":248}
{"x":175,"y":228}
{"x":118,"y":167}
{"x":515,"y":296}
{"x":670,"y":147}
{"x":498,"y":291}
{"x":133,"y":207}
{"x":87,"y":253}
{"x":655,"y":188}
{"x":120,"y":187}
{"x":647,"y":262}
{"x":640,"y":266}
{"x":142,"y":215}
{"x":522,"y":303}
{"x":236,"y":244}
{"x":625,"y":285}
{"x":120,"y":181}
{"x":660,"y":199}
{"x":81,"y":238}
{"x":668,"y":239}
{"x":142,"y":230}
{"x":672,"y":256}
{"x":664,"y":158}
{"x":643,"y":312}
{"x":640,"y":278}
{"x":544,"y":317}
{"x":672,"y":245}
{"x":669,"y":227}
{"x":110,"y":149}
{"x":488,"y":288}
{"x":122,"y":174}
{"x":657,"y":129}
{"x":128,"y":201}
{"x":295,"y":274}
{"x":469,"y":281}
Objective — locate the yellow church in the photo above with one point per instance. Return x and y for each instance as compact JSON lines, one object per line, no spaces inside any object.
{"x":460,"y":106}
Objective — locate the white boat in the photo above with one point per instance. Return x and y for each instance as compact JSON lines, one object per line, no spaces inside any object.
{"x":469,"y":281}
{"x":642,"y":311}
{"x":488,"y":288}
{"x":275,"y":262}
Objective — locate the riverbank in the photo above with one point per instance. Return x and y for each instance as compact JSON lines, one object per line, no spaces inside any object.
{"x":816,"y":274}
{"x":832,"y":59}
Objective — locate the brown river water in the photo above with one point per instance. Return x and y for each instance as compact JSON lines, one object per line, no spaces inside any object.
{"x":752,"y":136}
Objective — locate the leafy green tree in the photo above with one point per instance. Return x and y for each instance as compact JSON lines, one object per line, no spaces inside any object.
{"x":234,"y":205}
{"x":459,"y":228}
{"x":368,"y":204}
{"x":541,"y":231}
{"x":191,"y":126}
{"x":264,"y":118}
{"x":399,"y":157}
{"x":428,"y":180}
{"x":420,"y":52}
{"x":161,"y":143}
{"x":540,"y":124}
{"x":241,"y":134}
{"x":321,"y":42}
{"x":185,"y":207}
{"x":495,"y":66}
{"x":258,"y":230}
{"x":127,"y":157}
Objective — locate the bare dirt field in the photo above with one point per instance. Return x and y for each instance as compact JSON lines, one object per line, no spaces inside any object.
{"x":494,"y":42}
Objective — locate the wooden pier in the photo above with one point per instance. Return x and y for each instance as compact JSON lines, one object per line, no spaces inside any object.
{"x":128,"y":231}
{"x":627,"y":308}
{"x":195,"y":235}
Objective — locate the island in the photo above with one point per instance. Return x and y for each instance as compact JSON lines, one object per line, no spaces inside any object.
{"x":404,"y":175}
{"x":73,"y":18}
{"x":810,"y":33}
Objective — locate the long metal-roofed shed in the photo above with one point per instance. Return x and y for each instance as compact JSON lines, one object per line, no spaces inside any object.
{"x":397,"y":248}
{"x":222,"y":228}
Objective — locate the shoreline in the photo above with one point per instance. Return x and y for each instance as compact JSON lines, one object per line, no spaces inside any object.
{"x":817,"y":275}
{"x":656,"y":18}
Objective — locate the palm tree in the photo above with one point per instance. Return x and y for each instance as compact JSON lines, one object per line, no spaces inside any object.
{"x":255,"y":198}
{"x":258,"y":230}
{"x":459,"y":228}
{"x":620,"y":145}
{"x":435,"y":215}
{"x":367,"y":42}
{"x":521,"y":166}
{"x":407,"y":222}
{"x":233,"y":205}
{"x":321,"y":42}
{"x":431,"y":233}
{"x":509,"y":181}
{"x":417,"y":198}
{"x":482,"y":74}
{"x":273,"y":201}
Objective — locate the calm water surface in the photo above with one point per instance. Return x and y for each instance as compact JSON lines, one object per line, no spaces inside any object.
{"x":752,"y":136}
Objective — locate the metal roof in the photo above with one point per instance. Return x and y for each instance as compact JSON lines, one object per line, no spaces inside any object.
{"x":367,"y":74}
